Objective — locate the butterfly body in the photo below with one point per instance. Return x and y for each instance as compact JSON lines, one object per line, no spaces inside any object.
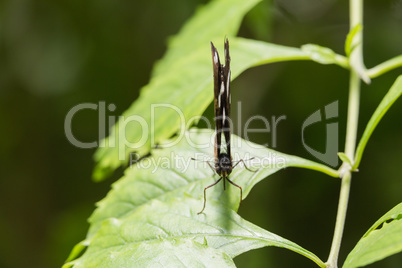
{"x":223,"y":166}
{"x":222,"y":102}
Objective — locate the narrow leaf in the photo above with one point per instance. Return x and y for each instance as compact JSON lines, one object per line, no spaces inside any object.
{"x":350,"y":39}
{"x":345,"y":158}
{"x":383,"y":239}
{"x":77,"y":250}
{"x":324,"y":55}
{"x":353,"y":49}
{"x":392,"y":95}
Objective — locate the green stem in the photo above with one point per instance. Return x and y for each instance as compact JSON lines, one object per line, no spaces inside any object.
{"x":356,"y":58}
{"x":350,"y":145}
{"x":353,"y":114}
{"x":385,"y":67}
{"x":340,"y":221}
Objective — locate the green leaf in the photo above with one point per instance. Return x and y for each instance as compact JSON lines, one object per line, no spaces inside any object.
{"x":392,"y":95}
{"x":77,"y":250}
{"x":157,"y":201}
{"x":350,"y":39}
{"x":186,"y":148}
{"x":345,"y":158}
{"x":213,"y":22}
{"x":180,"y":79}
{"x":174,"y":252}
{"x":383,"y":239}
{"x":173,"y":231}
{"x":353,"y":50}
{"x":183,"y":78}
{"x":324,"y":55}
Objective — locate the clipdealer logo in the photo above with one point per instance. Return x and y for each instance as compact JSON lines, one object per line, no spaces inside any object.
{"x":107,"y":120}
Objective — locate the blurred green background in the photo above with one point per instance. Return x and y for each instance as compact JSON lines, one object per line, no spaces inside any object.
{"x":57,"y":54}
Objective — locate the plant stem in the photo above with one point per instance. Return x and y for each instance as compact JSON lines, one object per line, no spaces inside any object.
{"x":340,"y":221}
{"x":385,"y":67}
{"x":351,"y":133}
{"x":353,"y":114}
{"x":356,"y":17}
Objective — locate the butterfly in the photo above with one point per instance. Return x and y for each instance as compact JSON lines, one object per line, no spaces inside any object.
{"x":223,"y":164}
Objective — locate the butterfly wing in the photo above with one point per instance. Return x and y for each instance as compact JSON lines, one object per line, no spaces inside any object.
{"x":226,"y":98}
{"x":217,"y":74}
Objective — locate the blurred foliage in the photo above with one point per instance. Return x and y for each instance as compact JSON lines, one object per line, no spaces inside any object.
{"x":57,"y":54}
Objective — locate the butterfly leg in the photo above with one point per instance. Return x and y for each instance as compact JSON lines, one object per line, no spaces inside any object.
{"x":241,"y":190}
{"x":241,"y":160}
{"x":205,"y":194}
{"x":208,"y":162}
